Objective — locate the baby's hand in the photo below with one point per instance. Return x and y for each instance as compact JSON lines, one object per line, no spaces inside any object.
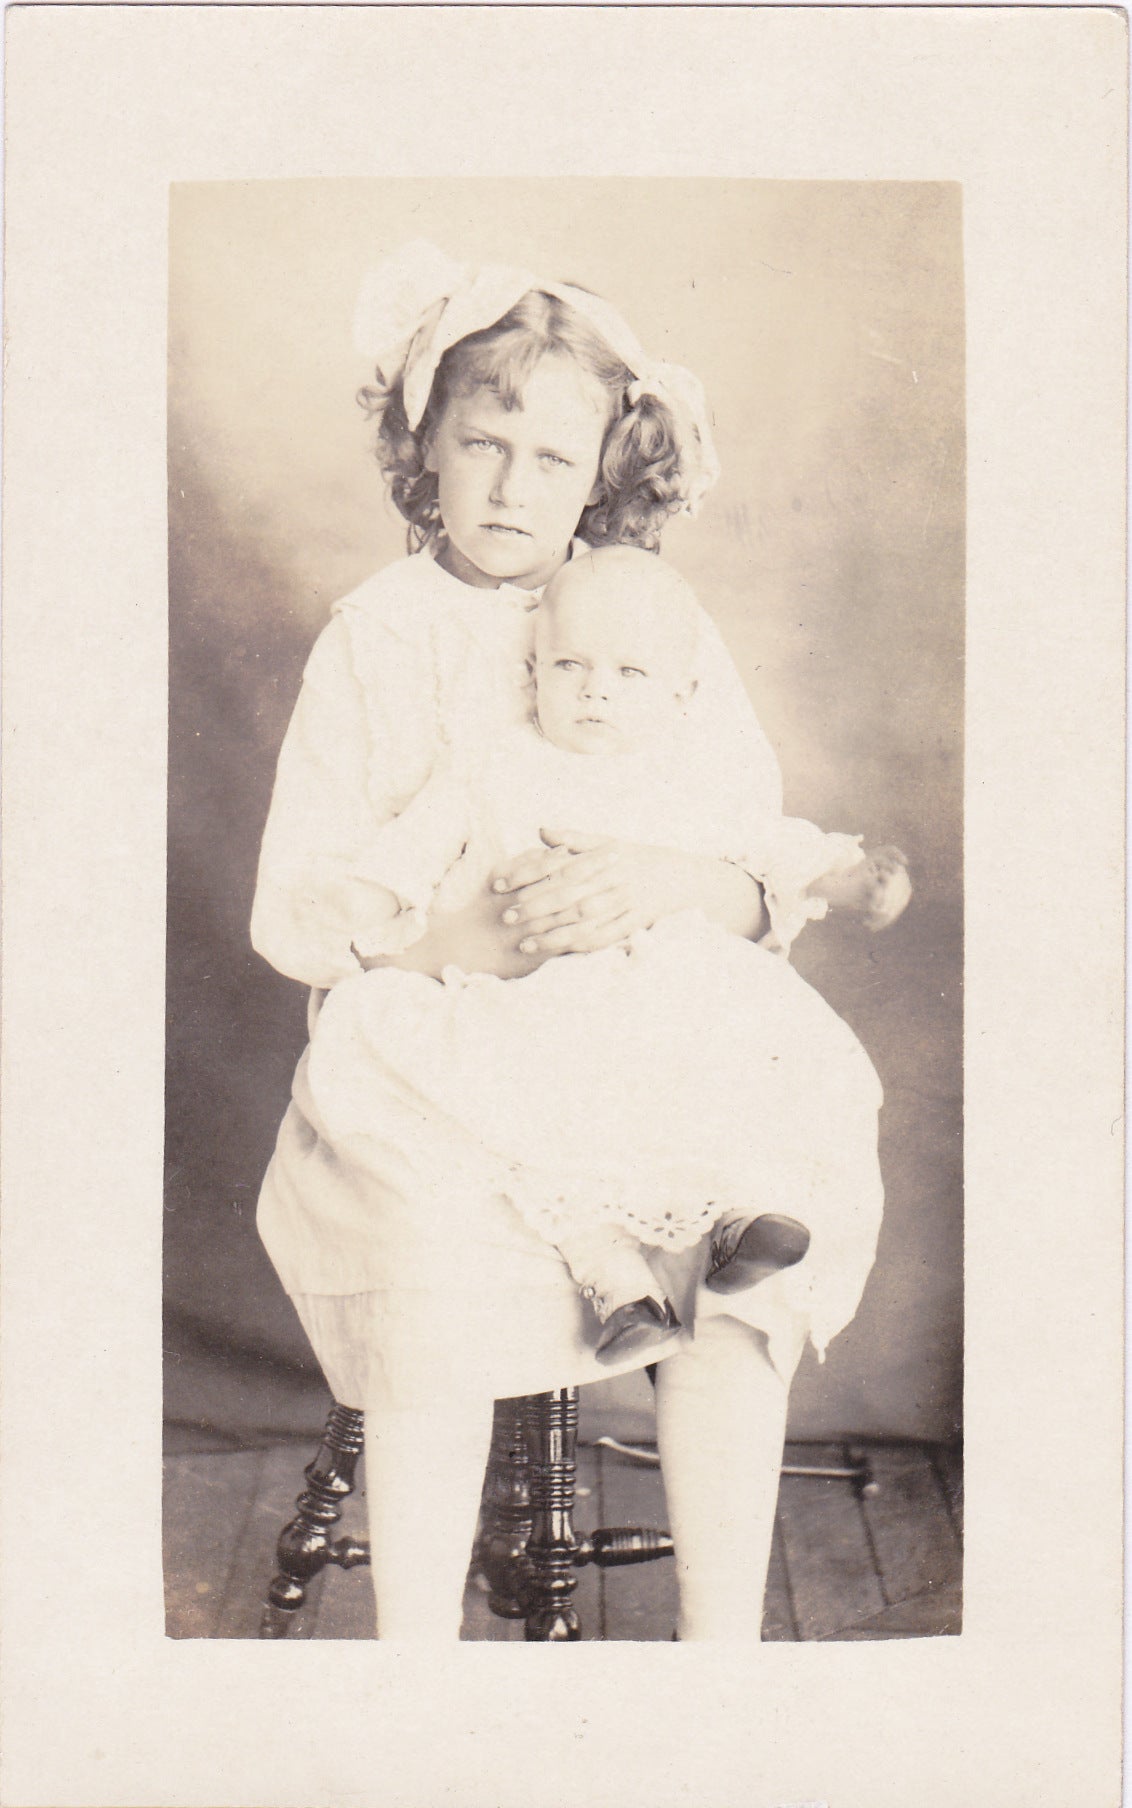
{"x":877,"y":889}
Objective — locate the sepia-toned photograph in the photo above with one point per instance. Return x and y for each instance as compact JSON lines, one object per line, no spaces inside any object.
{"x":563,"y":914}
{"x":563,"y":1230}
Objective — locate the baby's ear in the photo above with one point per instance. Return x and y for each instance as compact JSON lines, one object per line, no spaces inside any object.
{"x":685,"y":695}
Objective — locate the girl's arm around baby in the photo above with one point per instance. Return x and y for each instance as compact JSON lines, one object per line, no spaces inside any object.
{"x":585,"y":892}
{"x":474,"y":939}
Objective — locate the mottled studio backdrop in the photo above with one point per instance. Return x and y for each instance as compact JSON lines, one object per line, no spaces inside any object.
{"x":826,"y":321}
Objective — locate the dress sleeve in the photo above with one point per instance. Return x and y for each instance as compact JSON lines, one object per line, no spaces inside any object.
{"x":360,"y":744}
{"x":725,"y":737}
{"x":409,"y":858}
{"x":785,"y":854}
{"x":796,"y":853}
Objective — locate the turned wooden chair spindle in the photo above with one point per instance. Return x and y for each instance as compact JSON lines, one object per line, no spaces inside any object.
{"x":527,"y":1549}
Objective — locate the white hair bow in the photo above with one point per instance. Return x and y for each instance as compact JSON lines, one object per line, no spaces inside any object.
{"x":418,"y":303}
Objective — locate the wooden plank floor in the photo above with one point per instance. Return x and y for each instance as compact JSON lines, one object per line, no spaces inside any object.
{"x":842,"y":1567}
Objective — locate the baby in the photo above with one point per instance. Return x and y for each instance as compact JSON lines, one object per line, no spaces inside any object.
{"x":615,"y":652}
{"x":640,"y":1097}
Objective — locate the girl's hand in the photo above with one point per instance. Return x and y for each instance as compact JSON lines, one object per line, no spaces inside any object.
{"x":473,"y":939}
{"x":580,"y":892}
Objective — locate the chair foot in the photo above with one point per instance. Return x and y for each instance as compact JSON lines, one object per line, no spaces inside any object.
{"x":278,"y":1622}
{"x":556,"y":1626}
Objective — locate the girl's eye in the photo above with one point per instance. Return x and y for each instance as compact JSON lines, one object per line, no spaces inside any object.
{"x":481,"y":445}
{"x":553,"y":458}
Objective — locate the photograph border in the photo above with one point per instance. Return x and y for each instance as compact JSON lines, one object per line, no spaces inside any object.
{"x":107,"y":105}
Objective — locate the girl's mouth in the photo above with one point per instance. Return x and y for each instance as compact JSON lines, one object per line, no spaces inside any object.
{"x":500,"y":527}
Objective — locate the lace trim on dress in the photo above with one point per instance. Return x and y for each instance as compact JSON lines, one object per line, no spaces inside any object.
{"x":791,"y":869}
{"x":674,"y":1217}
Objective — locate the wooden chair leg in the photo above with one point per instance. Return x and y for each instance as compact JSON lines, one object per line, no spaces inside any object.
{"x":527,"y":1548}
{"x":529,"y":1538}
{"x":551,"y":1426}
{"x":304,"y":1547}
{"x":505,"y":1525}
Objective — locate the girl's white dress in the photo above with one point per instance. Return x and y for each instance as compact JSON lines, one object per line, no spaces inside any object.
{"x":412,"y":1193}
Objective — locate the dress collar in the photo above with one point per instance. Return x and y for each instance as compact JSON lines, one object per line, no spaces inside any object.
{"x":512,"y":594}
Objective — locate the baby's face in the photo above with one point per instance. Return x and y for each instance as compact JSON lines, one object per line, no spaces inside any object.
{"x":613,"y":668}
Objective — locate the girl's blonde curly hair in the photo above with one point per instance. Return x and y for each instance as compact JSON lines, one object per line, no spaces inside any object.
{"x":639,"y":483}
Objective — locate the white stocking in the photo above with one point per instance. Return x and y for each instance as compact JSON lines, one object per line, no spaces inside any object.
{"x":424,"y":1477}
{"x":612,"y":1263}
{"x":721,"y":1423}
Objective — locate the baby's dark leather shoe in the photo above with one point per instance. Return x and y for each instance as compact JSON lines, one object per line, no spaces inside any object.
{"x":641,"y":1325}
{"x":748,"y":1250}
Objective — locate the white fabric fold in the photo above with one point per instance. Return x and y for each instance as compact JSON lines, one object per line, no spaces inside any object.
{"x":797,"y":854}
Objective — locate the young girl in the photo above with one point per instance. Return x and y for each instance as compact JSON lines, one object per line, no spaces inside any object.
{"x":650,"y":1094}
{"x":515,"y":413}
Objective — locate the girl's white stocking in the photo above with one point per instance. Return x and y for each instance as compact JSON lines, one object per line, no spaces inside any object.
{"x":721,"y":1424}
{"x":424,"y":1477}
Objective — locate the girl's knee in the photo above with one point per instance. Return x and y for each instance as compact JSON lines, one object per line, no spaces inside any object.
{"x":729,"y":1370}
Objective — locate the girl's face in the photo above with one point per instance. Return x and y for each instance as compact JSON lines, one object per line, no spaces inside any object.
{"x":513,"y":482}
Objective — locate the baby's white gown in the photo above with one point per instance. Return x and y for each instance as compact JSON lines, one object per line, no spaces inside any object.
{"x":655,"y":1086}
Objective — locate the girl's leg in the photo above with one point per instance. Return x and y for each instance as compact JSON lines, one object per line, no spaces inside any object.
{"x":424,"y":1476}
{"x":721,"y":1425}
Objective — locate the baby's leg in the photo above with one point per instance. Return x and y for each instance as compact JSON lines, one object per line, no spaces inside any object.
{"x":614,"y":1275}
{"x":609,"y":1266}
{"x":721,"y":1425}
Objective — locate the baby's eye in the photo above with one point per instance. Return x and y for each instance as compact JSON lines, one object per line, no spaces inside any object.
{"x":567,"y":665}
{"x":632,"y":671}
